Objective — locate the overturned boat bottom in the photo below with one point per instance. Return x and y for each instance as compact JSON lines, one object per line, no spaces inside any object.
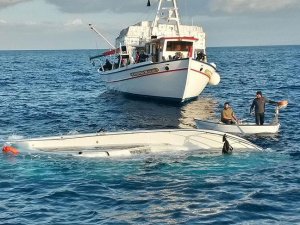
{"x":132,"y":143}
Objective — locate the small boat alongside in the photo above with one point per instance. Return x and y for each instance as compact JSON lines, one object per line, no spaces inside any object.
{"x":131,"y":143}
{"x":159,"y":59}
{"x":242,"y":128}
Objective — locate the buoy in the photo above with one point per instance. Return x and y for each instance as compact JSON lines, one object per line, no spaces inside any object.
{"x":10,"y":150}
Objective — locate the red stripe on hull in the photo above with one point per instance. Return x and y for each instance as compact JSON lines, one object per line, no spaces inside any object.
{"x":129,"y":78}
{"x":197,"y":71}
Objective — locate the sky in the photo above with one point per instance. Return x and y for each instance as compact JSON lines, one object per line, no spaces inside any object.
{"x":63,"y":24}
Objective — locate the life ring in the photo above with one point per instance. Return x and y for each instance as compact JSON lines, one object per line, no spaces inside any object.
{"x":10,"y":150}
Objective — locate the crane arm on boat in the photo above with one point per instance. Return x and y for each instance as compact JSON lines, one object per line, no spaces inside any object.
{"x":97,"y":32}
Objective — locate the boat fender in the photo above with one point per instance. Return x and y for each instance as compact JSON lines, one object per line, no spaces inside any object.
{"x":227,"y":148}
{"x":10,"y":150}
{"x":213,"y":65}
{"x":214,"y":78}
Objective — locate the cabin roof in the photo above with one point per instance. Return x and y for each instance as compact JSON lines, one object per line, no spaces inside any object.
{"x":180,"y":38}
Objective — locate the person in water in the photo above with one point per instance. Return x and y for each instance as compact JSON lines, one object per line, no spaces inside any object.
{"x":259,"y":105}
{"x":227,"y":114}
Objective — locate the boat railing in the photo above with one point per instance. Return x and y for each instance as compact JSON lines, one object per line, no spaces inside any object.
{"x":122,"y":63}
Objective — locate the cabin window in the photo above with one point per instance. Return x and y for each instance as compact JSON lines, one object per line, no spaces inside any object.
{"x":154,"y":49}
{"x":147,"y":49}
{"x":179,"y":45}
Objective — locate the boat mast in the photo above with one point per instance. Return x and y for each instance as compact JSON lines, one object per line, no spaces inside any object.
{"x":169,"y":15}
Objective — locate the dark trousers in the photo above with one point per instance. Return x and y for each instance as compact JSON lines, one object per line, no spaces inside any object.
{"x":227,"y":121}
{"x":260,"y":118}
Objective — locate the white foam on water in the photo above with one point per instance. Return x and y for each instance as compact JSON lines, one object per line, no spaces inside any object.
{"x":15,"y":137}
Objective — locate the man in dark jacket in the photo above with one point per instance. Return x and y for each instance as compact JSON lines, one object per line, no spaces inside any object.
{"x":259,"y":104}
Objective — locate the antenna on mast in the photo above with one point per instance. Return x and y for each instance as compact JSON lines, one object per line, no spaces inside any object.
{"x":168,"y":14}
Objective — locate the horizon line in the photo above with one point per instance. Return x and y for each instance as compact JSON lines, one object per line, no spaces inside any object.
{"x":77,"y":49}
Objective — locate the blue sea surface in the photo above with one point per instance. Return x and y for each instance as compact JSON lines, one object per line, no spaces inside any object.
{"x":47,"y":93}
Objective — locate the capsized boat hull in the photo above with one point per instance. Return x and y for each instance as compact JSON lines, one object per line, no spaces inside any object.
{"x":245,"y":128}
{"x":129,"y":143}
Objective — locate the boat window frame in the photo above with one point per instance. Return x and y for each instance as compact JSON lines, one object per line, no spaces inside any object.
{"x":184,"y":46}
{"x":147,"y":48}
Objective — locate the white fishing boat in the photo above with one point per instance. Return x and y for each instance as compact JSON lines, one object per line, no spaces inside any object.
{"x":244,"y":128}
{"x":130,"y":143}
{"x":160,"y":58}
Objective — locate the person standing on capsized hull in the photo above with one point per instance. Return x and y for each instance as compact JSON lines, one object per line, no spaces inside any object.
{"x":259,"y":105}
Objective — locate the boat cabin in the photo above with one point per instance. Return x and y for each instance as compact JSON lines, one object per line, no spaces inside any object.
{"x":170,"y":48}
{"x":157,"y":50}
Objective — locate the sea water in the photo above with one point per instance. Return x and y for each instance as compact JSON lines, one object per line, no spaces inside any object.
{"x":47,"y":93}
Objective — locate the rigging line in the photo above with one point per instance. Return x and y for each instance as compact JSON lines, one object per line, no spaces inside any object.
{"x":93,"y":42}
{"x":183,"y":12}
{"x":96,"y":43}
{"x":186,"y":14}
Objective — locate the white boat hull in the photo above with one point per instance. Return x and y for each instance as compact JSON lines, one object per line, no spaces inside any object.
{"x":245,"y":128}
{"x":129,"y":143}
{"x":175,"y":80}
